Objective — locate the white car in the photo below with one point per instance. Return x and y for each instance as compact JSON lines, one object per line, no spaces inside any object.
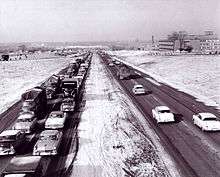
{"x":111,"y":64}
{"x":55,"y":120}
{"x":206,"y":121}
{"x":68,"y":105}
{"x":117,"y":62}
{"x":26,"y":122}
{"x":10,"y":141}
{"x":138,"y":89}
{"x":163,"y":114}
{"x":48,"y":143}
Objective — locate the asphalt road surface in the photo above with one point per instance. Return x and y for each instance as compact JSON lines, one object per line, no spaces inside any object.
{"x":196,"y":153}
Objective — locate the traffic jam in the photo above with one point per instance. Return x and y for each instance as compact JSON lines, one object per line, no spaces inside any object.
{"x":42,"y":118}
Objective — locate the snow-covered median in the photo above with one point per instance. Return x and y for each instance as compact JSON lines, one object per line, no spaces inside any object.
{"x":18,"y":76}
{"x":114,"y":138}
{"x":196,"y":75}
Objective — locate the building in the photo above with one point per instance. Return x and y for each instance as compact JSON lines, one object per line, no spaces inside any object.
{"x":169,"y":45}
{"x":203,"y":43}
{"x":210,"y":45}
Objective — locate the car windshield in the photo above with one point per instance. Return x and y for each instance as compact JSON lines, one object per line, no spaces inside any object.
{"x":25,"y":120}
{"x":164,"y":111}
{"x":56,"y":115}
{"x":209,"y":118}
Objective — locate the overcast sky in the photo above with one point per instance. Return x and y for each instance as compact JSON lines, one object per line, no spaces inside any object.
{"x":102,"y":20}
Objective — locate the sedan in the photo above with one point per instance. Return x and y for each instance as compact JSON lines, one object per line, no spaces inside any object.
{"x":206,"y":121}
{"x":68,"y":105}
{"x":10,"y":141}
{"x":55,"y":120}
{"x":26,"y":122}
{"x":138,"y":89}
{"x":48,"y":143}
{"x":163,"y":114}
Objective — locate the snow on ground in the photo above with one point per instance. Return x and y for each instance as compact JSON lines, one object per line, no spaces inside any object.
{"x":18,"y":76}
{"x":114,"y":138}
{"x":196,"y":75}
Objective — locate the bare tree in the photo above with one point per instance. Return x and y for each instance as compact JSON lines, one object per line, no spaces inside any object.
{"x":180,"y":36}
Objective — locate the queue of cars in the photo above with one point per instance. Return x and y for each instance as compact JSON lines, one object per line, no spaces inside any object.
{"x":34,"y":104}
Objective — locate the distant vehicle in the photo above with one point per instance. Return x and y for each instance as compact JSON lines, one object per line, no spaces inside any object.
{"x":51,"y":92}
{"x":123,"y":72}
{"x":163,"y":114}
{"x":54,"y":81}
{"x":5,"y":57}
{"x":117,"y":62}
{"x":25,"y":166}
{"x":48,"y":143}
{"x":69,"y":87}
{"x":111,"y":64}
{"x":26,"y":122}
{"x":68,"y":105}
{"x":55,"y":120}
{"x":10,"y":140}
{"x":206,"y":121}
{"x":84,"y":65}
{"x":138,"y":89}
{"x":35,"y":100}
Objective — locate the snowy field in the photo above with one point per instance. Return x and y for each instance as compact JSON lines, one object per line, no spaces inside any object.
{"x":114,"y":138}
{"x":18,"y":76}
{"x":197,"y":75}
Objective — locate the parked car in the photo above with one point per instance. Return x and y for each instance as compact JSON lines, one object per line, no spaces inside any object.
{"x":10,"y":140}
{"x":55,"y":120}
{"x":206,"y":121}
{"x":138,"y":89}
{"x":48,"y":143}
{"x":163,"y":114}
{"x":26,"y":122}
{"x":24,"y":166}
{"x":68,"y":105}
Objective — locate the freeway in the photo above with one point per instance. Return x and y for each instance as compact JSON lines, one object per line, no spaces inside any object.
{"x":195,"y":153}
{"x":57,"y":165}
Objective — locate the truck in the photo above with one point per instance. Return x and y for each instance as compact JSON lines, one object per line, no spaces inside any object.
{"x":24,"y":166}
{"x":69,"y":87}
{"x":35,"y":100}
{"x":123,"y":72}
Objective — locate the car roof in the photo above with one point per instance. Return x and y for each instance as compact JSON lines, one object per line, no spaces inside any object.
{"x":9,"y":132}
{"x":26,"y":115}
{"x":49,"y":132}
{"x":206,"y":115}
{"x":162,"y":108}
